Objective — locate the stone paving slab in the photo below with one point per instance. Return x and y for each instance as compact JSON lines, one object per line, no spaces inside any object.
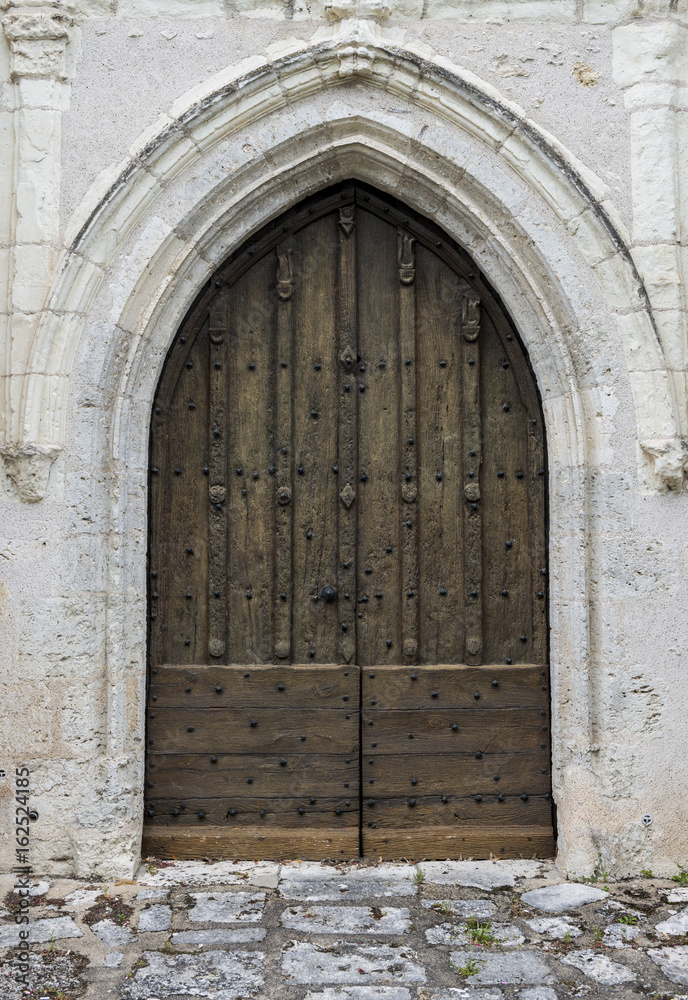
{"x":347,"y":919}
{"x":217,"y":974}
{"x":351,"y":932}
{"x":306,"y":962}
{"x":510,"y":968}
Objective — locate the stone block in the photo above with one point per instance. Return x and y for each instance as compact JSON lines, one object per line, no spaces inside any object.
{"x":566,"y":896}
{"x":554,"y":927}
{"x":111,"y":933}
{"x":515,"y":968}
{"x":480,"y":909}
{"x":40,"y":931}
{"x":228,"y":975}
{"x":155,"y":918}
{"x":480,"y":874}
{"x":192,"y":873}
{"x":308,"y":963}
{"x":311,"y":881}
{"x":676,"y":925}
{"x":363,"y":993}
{"x":346,"y":919}
{"x":195,"y":9}
{"x":673,"y":962}
{"x":227,"y":907}
{"x":218,"y":937}
{"x":459,"y":934}
{"x":599,"y":967}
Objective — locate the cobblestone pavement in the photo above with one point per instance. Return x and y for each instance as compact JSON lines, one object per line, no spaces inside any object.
{"x":304,"y":931}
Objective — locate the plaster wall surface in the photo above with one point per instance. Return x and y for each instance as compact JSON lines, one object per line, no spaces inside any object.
{"x":142,"y":143}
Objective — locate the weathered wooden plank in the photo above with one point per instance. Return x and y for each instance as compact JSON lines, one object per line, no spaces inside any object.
{"x":421,"y":811}
{"x":250,"y":489}
{"x":217,"y":477}
{"x":409,"y":514}
{"x":440,"y":514}
{"x":240,"y":811}
{"x":182,"y":535}
{"x":257,"y":685}
{"x":459,"y":773}
{"x":328,"y":775}
{"x":247,"y":844}
{"x":379,"y":489}
{"x":281,"y":458}
{"x":347,"y":458}
{"x":471,"y":417}
{"x":456,"y":686}
{"x":465,"y":842}
{"x":316,"y":627}
{"x":494,"y":730}
{"x":218,"y":730}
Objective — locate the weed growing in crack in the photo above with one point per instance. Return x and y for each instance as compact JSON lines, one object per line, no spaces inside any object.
{"x":419,"y":877}
{"x":682,"y":877}
{"x":480,"y":932}
{"x":471,"y":968}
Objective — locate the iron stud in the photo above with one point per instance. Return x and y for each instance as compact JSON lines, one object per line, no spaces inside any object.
{"x":519,"y":475}
{"x":409,"y":441}
{"x":478,"y":798}
{"x":378,"y":593}
{"x":509,"y":545}
{"x":271,"y":470}
{"x":389,"y":548}
{"x":338,"y":811}
{"x":454,"y":726}
{"x":433,"y":694}
{"x":495,"y":683}
{"x":283,"y":596}
{"x":253,"y":723}
{"x":368,"y":569}
{"x":505,"y":592}
{"x":479,"y":755}
{"x":213,"y":760}
{"x":438,"y":477}
{"x":309,"y":534}
{"x":361,"y":388}
{"x":175,"y":812}
{"x":301,"y":810}
{"x":364,"y":478}
{"x":244,"y":493}
{"x":251,"y":366}
{"x":189,"y":729}
{"x":232,"y":812}
{"x":411,"y":803}
{"x":388,"y":643}
{"x":414,"y":781}
{"x":443,"y":364}
{"x":524,"y":798}
{"x":283,"y":762}
{"x":314,"y":414}
{"x":476,"y":695}
{"x":249,"y":595}
{"x":201,"y":814}
{"x":187,"y":690}
{"x":312,"y":801}
{"x":311,"y":653}
{"x":409,"y":524}
{"x":239,"y":471}
{"x":218,"y":689}
{"x":445,"y":799}
{"x":177,"y":471}
{"x":335,"y":469}
{"x":443,"y":592}
{"x":300,"y":470}
{"x":317,"y":367}
{"x":471,"y":362}
{"x":346,"y":387}
{"x":508,"y":660}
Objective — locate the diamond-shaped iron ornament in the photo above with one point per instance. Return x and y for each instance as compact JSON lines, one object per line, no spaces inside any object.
{"x":347,"y":358}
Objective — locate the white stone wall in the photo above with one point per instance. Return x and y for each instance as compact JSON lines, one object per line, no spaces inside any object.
{"x":142,"y":140}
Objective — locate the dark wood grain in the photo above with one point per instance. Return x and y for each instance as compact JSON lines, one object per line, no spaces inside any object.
{"x":348,"y":406}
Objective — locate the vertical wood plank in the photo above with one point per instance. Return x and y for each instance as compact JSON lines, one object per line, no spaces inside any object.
{"x":281,"y":461}
{"x":250,"y":488}
{"x":440,"y":550}
{"x":348,"y":430}
{"x":217,"y":478}
{"x":316,"y":622}
{"x":410,"y":600}
{"x":472,"y":441}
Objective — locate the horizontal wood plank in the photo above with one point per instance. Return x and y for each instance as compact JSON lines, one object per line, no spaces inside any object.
{"x":496,"y":731}
{"x":173,"y":775}
{"x":235,"y":810}
{"x":423,"y":811}
{"x":251,"y":843}
{"x":425,"y":774}
{"x":440,"y":842}
{"x":255,"y":730}
{"x":464,"y":687}
{"x":265,"y":686}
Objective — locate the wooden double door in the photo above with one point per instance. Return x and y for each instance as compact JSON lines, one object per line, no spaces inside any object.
{"x":347,"y":562}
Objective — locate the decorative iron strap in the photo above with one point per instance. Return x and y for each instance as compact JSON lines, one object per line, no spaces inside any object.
{"x":409,"y":433}
{"x":348,"y":352}
{"x":282,"y":457}
{"x":217,"y":489}
{"x":472,"y":443}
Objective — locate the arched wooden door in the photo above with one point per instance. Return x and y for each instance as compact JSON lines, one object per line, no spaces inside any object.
{"x":347,"y":563}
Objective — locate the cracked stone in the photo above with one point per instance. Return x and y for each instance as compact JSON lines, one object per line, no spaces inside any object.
{"x":217,"y":936}
{"x":678,"y":896}
{"x":111,"y":933}
{"x":361,"y":993}
{"x":515,"y":968}
{"x":218,"y":974}
{"x":480,"y":909}
{"x":40,"y":931}
{"x":227,"y":907}
{"x":81,"y":897}
{"x":486,"y":875}
{"x":675,"y":925}
{"x":618,"y":935}
{"x":151,"y":894}
{"x":566,"y":896}
{"x":538,"y":993}
{"x":599,"y":967}
{"x":504,"y":934}
{"x":455,"y":993}
{"x":261,"y":874}
{"x":113,"y":959}
{"x":311,"y":881}
{"x":305,"y":962}
{"x":673,"y":962}
{"x":553,"y":927}
{"x":347,"y":919}
{"x":155,"y":918}
{"x":37,"y":889}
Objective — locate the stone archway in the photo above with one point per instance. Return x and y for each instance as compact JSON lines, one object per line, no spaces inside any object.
{"x":236,"y":153}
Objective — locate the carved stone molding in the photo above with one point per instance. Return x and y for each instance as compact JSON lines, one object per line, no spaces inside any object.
{"x":337,"y":10}
{"x":669,"y":459}
{"x":28,"y":467}
{"x":38,"y":41}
